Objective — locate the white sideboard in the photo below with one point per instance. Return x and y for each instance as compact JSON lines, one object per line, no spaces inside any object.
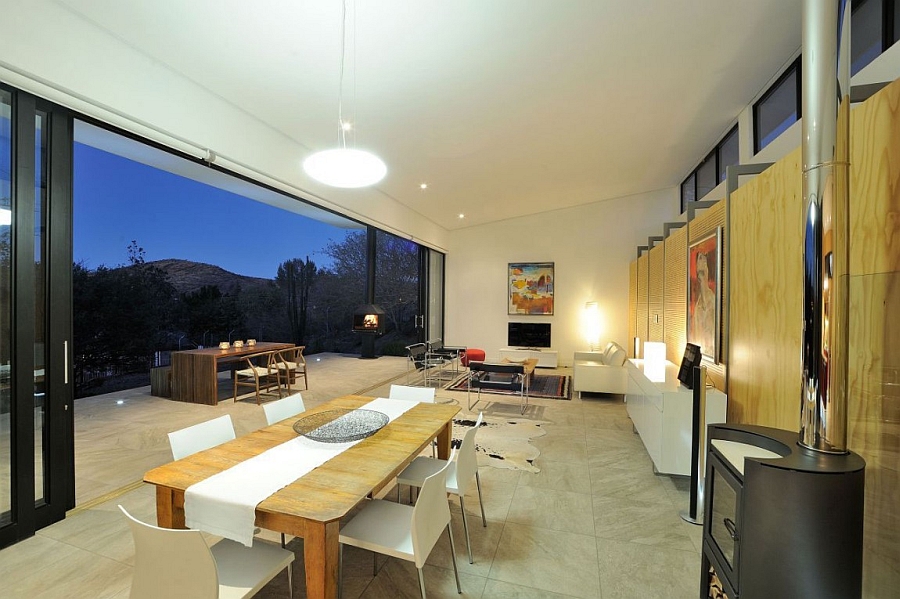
{"x":662,"y":413}
{"x":547,"y":358}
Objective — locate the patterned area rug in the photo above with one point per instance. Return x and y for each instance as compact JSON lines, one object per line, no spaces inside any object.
{"x":544,"y":386}
{"x":503,"y":443}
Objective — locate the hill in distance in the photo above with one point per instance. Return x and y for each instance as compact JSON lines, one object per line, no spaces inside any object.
{"x":187,"y":276}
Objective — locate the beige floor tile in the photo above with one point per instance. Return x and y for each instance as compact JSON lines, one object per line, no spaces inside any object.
{"x":398,"y":580}
{"x":642,"y":523}
{"x":560,"y":476}
{"x":629,"y":571}
{"x":64,"y":571}
{"x":494,"y":589}
{"x":485,"y":540}
{"x":549,"y":560}
{"x":628,"y":484}
{"x":562,"y":449}
{"x":557,"y":510}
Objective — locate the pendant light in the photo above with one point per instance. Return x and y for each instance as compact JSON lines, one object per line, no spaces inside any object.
{"x":343,"y":166}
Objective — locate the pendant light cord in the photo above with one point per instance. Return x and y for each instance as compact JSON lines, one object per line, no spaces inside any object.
{"x":342,"y":132}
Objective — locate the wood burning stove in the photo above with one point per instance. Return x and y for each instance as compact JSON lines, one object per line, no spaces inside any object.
{"x":369,"y":320}
{"x":781,"y":520}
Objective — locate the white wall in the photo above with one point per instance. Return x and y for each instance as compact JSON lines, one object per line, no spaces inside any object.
{"x":591,"y":246}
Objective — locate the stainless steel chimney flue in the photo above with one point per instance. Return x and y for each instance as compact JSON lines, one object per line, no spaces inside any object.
{"x":826,"y":140}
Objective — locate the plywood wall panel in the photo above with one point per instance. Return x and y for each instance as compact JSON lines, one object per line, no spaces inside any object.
{"x":656,"y":290}
{"x":643,"y":305}
{"x":702,"y":226}
{"x":675,"y":321}
{"x":632,"y":306}
{"x":766,"y":297}
{"x":875,"y":184}
{"x":874,"y":357}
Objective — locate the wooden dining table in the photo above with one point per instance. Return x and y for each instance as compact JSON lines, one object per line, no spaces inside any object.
{"x":194,"y":371}
{"x":313,"y":505}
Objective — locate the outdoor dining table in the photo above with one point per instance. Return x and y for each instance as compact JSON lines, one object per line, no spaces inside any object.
{"x":194,"y":371}
{"x":312,"y":506}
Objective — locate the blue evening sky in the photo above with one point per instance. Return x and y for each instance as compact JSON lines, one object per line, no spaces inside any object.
{"x":118,"y":200}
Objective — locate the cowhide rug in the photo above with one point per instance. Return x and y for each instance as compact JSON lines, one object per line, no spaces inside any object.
{"x":503,"y":442}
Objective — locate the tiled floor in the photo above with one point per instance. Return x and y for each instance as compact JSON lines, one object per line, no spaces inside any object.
{"x":594,"y":522}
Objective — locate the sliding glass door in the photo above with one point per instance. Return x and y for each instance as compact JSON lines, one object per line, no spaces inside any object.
{"x":36,"y":472}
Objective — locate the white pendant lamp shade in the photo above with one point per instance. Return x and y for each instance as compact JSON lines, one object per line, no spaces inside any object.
{"x":345,"y":167}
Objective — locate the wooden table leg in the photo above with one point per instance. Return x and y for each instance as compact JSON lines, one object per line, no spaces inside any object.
{"x":169,"y":508}
{"x":443,"y":441}
{"x":320,"y":559}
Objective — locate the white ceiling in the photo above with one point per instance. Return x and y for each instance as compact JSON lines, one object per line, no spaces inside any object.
{"x":504,"y":107}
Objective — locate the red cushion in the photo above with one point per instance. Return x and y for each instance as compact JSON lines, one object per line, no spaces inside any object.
{"x":475,"y":355}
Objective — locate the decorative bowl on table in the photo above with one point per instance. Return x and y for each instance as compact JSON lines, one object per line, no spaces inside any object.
{"x":224,"y":345}
{"x":251,"y":342}
{"x":341,"y":426}
{"x":239,"y":343}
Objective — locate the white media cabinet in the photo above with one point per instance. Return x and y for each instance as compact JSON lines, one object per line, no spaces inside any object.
{"x":547,"y":358}
{"x":662,"y":413}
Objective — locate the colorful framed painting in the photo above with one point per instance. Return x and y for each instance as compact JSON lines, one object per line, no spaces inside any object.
{"x":704,"y":294}
{"x":530,"y":288}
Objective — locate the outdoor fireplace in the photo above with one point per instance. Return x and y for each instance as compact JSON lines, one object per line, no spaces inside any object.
{"x":369,"y":320}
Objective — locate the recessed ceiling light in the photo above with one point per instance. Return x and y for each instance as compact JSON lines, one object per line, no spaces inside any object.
{"x":423,"y":186}
{"x":461,"y":215}
{"x":346,"y":125}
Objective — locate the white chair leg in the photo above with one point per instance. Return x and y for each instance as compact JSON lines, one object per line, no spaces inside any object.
{"x":480,"y":502}
{"x":462,"y":507}
{"x":453,"y":555}
{"x":421,"y":582}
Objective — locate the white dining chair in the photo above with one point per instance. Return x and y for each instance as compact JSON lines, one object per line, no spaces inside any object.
{"x":403,"y":531}
{"x":424,"y":394}
{"x":179,"y":564}
{"x":278,"y":410}
{"x":459,"y":475}
{"x":201,"y":436}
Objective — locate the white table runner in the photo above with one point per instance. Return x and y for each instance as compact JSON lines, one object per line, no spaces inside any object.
{"x":225,"y":504}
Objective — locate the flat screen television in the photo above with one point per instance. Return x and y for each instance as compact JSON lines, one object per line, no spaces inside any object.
{"x":690,"y":361}
{"x":528,"y":334}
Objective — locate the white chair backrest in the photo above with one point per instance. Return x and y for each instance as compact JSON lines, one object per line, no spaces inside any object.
{"x":278,"y":410}
{"x":201,"y":436}
{"x":171,"y":563}
{"x":431,"y":514}
{"x":425,"y":394}
{"x":467,"y":460}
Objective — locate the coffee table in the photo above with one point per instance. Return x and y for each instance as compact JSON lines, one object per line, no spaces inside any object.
{"x":528,"y":365}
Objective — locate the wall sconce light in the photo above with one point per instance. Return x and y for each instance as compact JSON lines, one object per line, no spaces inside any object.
{"x":591,"y":324}
{"x":655,"y":361}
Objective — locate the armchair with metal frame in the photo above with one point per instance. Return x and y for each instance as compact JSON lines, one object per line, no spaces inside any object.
{"x":421,"y":359}
{"x":505,"y":377}
{"x":451,"y":353}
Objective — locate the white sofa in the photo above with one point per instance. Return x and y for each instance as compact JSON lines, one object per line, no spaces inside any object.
{"x":601,"y":372}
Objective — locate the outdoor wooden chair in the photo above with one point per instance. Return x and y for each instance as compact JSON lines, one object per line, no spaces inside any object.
{"x":291,"y":364}
{"x":260,"y":372}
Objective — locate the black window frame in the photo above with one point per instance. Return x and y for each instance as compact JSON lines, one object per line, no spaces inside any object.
{"x":714,"y":157}
{"x":795,"y":69}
